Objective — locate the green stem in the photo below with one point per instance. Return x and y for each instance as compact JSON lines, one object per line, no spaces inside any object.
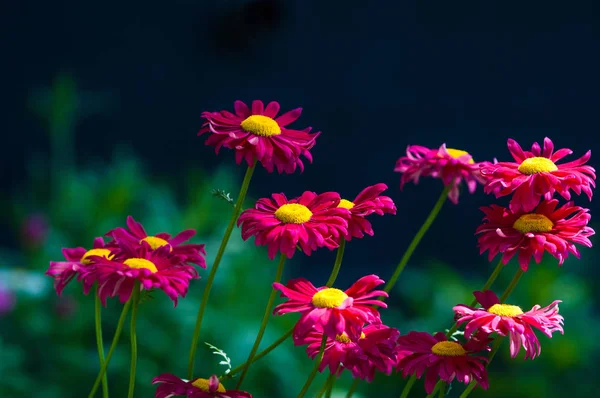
{"x":485,"y":287}
{"x":265,"y":321}
{"x":113,"y":345}
{"x":512,"y":285}
{"x":327,"y":386}
{"x":440,"y":387}
{"x":408,"y":386}
{"x":132,"y":332}
{"x":276,"y":343}
{"x":352,"y":388}
{"x":211,"y":276}
{"x":415,"y":242}
{"x":338,"y":264}
{"x":332,"y":381}
{"x":315,"y":368}
{"x":99,"y":343}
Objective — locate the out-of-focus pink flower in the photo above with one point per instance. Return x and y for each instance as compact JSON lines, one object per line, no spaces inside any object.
{"x":8,"y":300}
{"x":35,"y":229}
{"x":367,"y":202}
{"x":452,"y":166}
{"x":171,"y":386}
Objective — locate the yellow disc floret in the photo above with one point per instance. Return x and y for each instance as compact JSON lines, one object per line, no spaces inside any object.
{"x":261,"y":125}
{"x":456,"y":153}
{"x":203,"y":385}
{"x":448,"y":349}
{"x":537,"y":165}
{"x":505,"y":310}
{"x":155,"y":242}
{"x":533,"y":223}
{"x":329,"y":298}
{"x":95,"y":252}
{"x":139,"y":263}
{"x":293,"y":213}
{"x":345,"y":204}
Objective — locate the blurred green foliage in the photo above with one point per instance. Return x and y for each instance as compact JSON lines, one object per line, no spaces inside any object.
{"x":47,"y":344}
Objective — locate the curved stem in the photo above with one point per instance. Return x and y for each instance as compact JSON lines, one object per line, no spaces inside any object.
{"x":417,"y":239}
{"x":132,"y":332}
{"x":485,"y":287}
{"x":315,"y":368}
{"x":265,"y":321}
{"x":337,"y":265}
{"x":213,"y":271}
{"x":99,"y":343}
{"x":112,"y":348}
{"x":327,"y":386}
{"x":352,"y":388}
{"x":512,"y":285}
{"x":442,"y":390}
{"x":276,"y":343}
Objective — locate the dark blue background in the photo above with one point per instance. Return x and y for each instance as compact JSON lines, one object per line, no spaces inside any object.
{"x":372,"y":76}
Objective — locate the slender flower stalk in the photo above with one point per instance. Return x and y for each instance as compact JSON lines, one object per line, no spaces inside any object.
{"x":111,"y":350}
{"x":486,"y":286}
{"x":135,"y":304}
{"x":99,"y":343}
{"x":211,"y":276}
{"x":315,"y":368}
{"x":332,"y":277}
{"x":417,"y":239}
{"x":265,"y":321}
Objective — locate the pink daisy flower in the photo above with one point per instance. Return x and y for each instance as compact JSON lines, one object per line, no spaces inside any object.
{"x":152,"y":268}
{"x":171,"y":385}
{"x":450,"y":165}
{"x":193,"y":253}
{"x":311,"y":221}
{"x":374,"y":350}
{"x":442,"y":359}
{"x":367,"y":202}
{"x":547,"y":229}
{"x":333,"y":310}
{"x":258,"y":135}
{"x":534,"y":174}
{"x":506,"y":319}
{"x":78,"y":259}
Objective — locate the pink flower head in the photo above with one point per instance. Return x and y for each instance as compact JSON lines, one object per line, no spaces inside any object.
{"x":171,"y":385}
{"x":534,"y":174}
{"x":152,"y":268}
{"x":78,"y":259}
{"x":258,"y":135}
{"x":450,"y":165}
{"x":367,"y":202}
{"x":311,"y":221}
{"x":442,"y":359}
{"x":547,"y":229}
{"x":506,"y":319}
{"x":374,"y":350}
{"x":193,"y":253}
{"x":330,"y":310}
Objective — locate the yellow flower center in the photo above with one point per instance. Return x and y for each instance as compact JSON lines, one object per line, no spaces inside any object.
{"x":448,"y":349}
{"x":537,"y":165}
{"x":203,"y":385}
{"x":261,"y":125}
{"x":343,"y":338}
{"x":329,"y":298}
{"x":155,"y":242}
{"x":96,"y":252}
{"x":533,"y":223}
{"x":345,"y":204}
{"x":456,"y":153}
{"x":139,"y":263}
{"x":505,"y":310}
{"x":293,"y":213}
